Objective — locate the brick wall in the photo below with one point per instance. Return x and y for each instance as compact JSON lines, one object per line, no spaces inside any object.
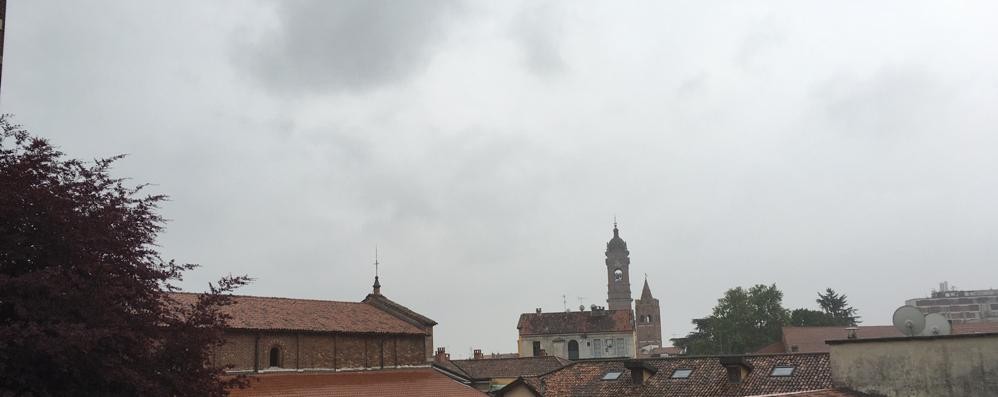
{"x":320,"y":351}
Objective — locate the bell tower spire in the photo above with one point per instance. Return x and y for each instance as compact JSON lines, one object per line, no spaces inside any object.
{"x":618,"y":272}
{"x":377,"y":284}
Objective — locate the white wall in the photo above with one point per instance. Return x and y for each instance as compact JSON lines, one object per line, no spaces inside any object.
{"x":557,"y":345}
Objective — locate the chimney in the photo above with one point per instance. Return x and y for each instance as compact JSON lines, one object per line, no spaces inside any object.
{"x":738,"y":368}
{"x":537,"y":310}
{"x":640,"y":371}
{"x":441,"y":355}
{"x":478,"y":354}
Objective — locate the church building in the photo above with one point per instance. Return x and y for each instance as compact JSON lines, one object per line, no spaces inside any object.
{"x":619,"y":330}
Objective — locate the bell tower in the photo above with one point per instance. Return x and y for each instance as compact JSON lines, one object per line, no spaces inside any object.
{"x":649,"y":321}
{"x":618,"y":273}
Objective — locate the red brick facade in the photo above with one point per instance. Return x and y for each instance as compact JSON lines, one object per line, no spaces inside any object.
{"x":250,"y":351}
{"x":281,"y":333}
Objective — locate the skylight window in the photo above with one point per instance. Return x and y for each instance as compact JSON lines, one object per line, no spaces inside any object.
{"x":681,"y":373}
{"x":782,"y":371}
{"x":612,"y":375}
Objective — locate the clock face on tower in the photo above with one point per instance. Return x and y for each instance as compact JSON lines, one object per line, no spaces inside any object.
{"x":618,"y":275}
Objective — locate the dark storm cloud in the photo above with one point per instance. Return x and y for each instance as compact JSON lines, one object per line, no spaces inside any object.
{"x":321,"y":46}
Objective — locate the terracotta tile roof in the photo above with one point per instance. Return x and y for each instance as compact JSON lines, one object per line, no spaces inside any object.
{"x":266,"y":313}
{"x":668,"y":351}
{"x":775,"y":347}
{"x":385,"y":383}
{"x":812,"y":339}
{"x":509,"y":367}
{"x":975,"y":328}
{"x":709,"y":378}
{"x":390,"y":306}
{"x":820,"y":393}
{"x":576,"y":322}
{"x":448,"y":366}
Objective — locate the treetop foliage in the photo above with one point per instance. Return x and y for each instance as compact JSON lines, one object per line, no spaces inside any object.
{"x":84,"y":308}
{"x":746,"y":320}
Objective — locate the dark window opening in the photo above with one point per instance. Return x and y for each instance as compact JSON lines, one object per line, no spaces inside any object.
{"x":275,"y":357}
{"x":537,"y":349}
{"x":573,"y":350}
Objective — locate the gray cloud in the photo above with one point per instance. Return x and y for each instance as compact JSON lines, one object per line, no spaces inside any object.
{"x":805,"y":144}
{"x":320,"y":46}
{"x":537,"y":30}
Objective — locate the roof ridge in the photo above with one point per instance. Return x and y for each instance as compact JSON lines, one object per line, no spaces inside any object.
{"x":506,"y":358}
{"x":270,"y":297}
{"x":672,"y":358}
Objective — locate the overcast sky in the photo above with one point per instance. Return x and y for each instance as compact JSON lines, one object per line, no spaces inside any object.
{"x":484,"y":147}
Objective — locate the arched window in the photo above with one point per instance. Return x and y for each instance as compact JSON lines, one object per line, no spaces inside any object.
{"x":573,"y":350}
{"x":275,"y":357}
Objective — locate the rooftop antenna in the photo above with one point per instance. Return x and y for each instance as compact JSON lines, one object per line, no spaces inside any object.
{"x":581,"y":298}
{"x":909,"y":320}
{"x":564,"y":302}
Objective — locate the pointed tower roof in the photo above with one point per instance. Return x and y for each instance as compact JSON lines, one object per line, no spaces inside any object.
{"x":646,"y":292}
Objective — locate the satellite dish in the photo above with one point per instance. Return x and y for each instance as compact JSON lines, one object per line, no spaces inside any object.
{"x":936,"y":324}
{"x":909,"y":320}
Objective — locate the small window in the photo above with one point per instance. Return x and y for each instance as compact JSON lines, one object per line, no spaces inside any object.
{"x":275,"y":357}
{"x":613,"y":375}
{"x":782,"y":371}
{"x":681,"y":373}
{"x":537,"y":348}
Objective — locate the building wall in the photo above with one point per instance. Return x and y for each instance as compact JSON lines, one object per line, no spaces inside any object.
{"x":919,"y":367}
{"x":557,"y":345}
{"x":519,"y":391}
{"x":648,"y":324}
{"x":961,"y":306}
{"x":320,"y":351}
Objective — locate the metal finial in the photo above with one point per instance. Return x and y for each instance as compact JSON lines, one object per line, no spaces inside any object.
{"x":376,"y":261}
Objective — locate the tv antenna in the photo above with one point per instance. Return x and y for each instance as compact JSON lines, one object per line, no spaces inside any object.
{"x":909,"y":320}
{"x":936,"y":324}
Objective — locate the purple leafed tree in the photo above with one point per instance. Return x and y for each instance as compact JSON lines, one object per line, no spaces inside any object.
{"x":84,"y":308}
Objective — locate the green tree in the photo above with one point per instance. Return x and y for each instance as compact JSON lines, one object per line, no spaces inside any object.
{"x":810,"y":318}
{"x":743,"y":321}
{"x":836,"y":306}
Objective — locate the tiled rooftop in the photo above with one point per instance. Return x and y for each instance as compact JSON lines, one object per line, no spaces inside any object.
{"x":708,"y":377}
{"x":812,"y":339}
{"x":576,"y":322}
{"x":509,"y":367}
{"x":266,"y":313}
{"x":420,"y":382}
